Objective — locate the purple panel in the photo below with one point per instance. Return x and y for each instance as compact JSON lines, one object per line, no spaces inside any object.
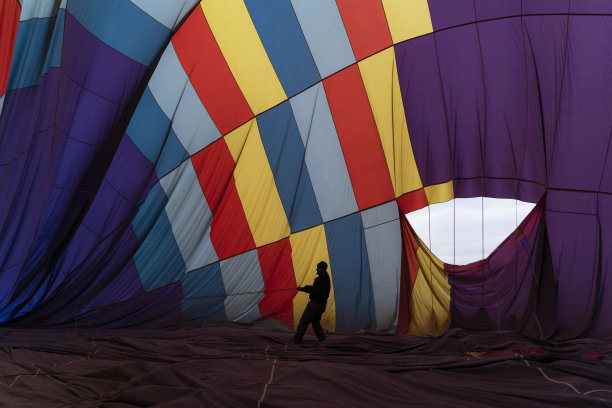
{"x":490,"y":9}
{"x":602,"y":319}
{"x":98,"y":67}
{"x":92,"y":118}
{"x":546,"y":37}
{"x":131,"y":173}
{"x":463,"y":87}
{"x":69,"y":127}
{"x":591,"y":6}
{"x":574,"y":242}
{"x":420,"y":84}
{"x":583,"y":135}
{"x":571,"y":202}
{"x":446,"y":13}
{"x":499,"y":188}
{"x":474,"y":187}
{"x":606,"y":181}
{"x":22,"y":150}
{"x":513,"y":147}
{"x":498,"y":293}
{"x":545,"y":6}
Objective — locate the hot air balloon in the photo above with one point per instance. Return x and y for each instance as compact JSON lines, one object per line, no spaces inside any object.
{"x":172,"y":164}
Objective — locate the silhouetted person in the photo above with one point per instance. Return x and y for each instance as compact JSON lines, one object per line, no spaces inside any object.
{"x":319,"y":292}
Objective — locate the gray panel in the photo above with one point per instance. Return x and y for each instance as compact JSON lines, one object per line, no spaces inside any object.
{"x":324,"y":157}
{"x":379,"y":215}
{"x":168,"y":81}
{"x":241,"y":274}
{"x":384,"y":243}
{"x":189,"y":216}
{"x":40,"y":9}
{"x":168,"y":13}
{"x":1,"y":103}
{"x":192,"y":123}
{"x":325,"y":34}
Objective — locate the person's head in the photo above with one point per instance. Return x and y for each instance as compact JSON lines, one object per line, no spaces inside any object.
{"x":321,"y":267}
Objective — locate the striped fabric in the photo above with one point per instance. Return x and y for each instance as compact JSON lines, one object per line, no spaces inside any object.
{"x":211,"y":154}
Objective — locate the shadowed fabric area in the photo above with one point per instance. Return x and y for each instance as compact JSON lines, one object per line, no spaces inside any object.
{"x":239,"y":367}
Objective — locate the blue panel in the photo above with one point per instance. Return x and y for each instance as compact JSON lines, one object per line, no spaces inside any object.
{"x":204,"y":294}
{"x":123,"y":26}
{"x":351,"y":274}
{"x":171,"y":156}
{"x":149,"y":211}
{"x":285,"y":150}
{"x":149,"y":127}
{"x":38,"y":47}
{"x":158,"y":259}
{"x":169,"y":13}
{"x":281,"y":35}
{"x":54,"y":53}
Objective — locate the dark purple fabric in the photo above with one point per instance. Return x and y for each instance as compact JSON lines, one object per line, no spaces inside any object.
{"x":446,"y":14}
{"x":232,"y":367}
{"x":499,"y":293}
{"x":521,"y":110}
{"x":491,"y":9}
{"x":546,"y":6}
{"x":56,"y":238}
{"x":420,"y":85}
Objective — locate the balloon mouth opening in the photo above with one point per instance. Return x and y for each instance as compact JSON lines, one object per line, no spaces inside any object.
{"x":466,"y":230}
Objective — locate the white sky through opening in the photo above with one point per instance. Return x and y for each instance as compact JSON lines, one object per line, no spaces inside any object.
{"x":500,"y":217}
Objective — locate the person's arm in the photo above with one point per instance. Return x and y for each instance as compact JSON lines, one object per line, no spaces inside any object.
{"x":307,"y":288}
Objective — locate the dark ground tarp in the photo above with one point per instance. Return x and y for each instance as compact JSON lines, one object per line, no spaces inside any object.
{"x":238,"y":367}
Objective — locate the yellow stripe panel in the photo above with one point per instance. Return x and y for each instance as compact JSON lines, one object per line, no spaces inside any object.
{"x":308,"y":247}
{"x":256,"y":187}
{"x":246,"y":57}
{"x":407,"y":18}
{"x":439,"y":193}
{"x":378,"y":71}
{"x":430,"y":300}
{"x":236,"y":139}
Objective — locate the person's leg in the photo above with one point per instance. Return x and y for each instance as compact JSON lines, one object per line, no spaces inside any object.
{"x":316,"y":324}
{"x":305,"y":320}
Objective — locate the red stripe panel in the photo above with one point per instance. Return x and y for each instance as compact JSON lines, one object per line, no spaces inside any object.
{"x":209,"y":73}
{"x":9,"y":21}
{"x":277,"y":271}
{"x":410,"y":268}
{"x":412,"y":201}
{"x":359,"y":138}
{"x":366,"y":26}
{"x":229,"y":230}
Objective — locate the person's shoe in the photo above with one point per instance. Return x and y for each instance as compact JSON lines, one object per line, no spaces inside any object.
{"x":322,"y":339}
{"x":297,"y":340}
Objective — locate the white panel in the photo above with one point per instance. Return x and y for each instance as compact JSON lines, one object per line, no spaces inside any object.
{"x":40,"y":9}
{"x":177,"y":98}
{"x":325,"y":34}
{"x":189,"y":216}
{"x":324,"y":158}
{"x":384,"y":243}
{"x":168,"y":81}
{"x":192,"y":123}
{"x":241,"y":274}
